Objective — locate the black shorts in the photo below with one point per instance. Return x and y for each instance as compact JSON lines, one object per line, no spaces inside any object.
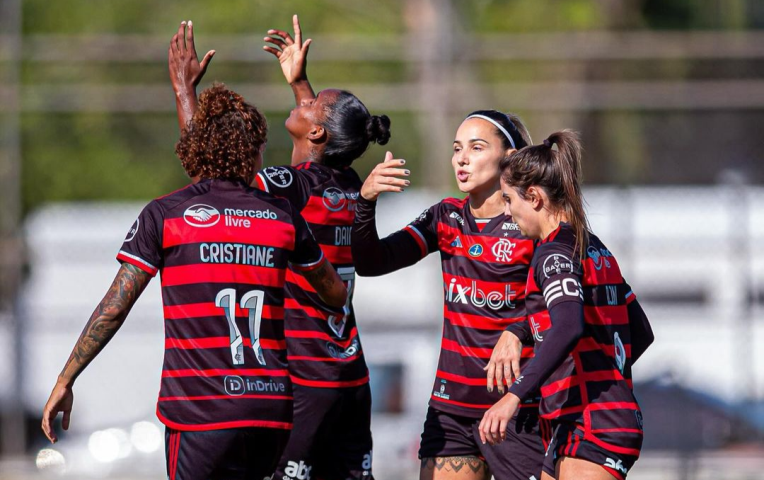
{"x":569,"y":440}
{"x":331,"y":438}
{"x":231,"y":454}
{"x":518,"y":457}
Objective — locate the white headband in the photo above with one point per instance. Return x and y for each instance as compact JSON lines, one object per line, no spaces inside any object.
{"x":498,"y":125}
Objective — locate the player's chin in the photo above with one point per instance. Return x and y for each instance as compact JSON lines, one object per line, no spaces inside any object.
{"x":465,"y":187}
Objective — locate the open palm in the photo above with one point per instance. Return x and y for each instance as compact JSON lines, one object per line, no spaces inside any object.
{"x":292,"y":53}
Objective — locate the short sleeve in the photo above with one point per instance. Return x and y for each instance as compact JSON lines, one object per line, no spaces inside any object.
{"x":424,"y":229}
{"x":307,"y":253}
{"x":284,"y":182}
{"x":558,"y":274}
{"x":143,"y":244}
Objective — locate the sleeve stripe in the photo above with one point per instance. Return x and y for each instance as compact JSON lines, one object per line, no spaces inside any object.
{"x":261,"y":183}
{"x":138,"y":262}
{"x":420,"y":240}
{"x":307,"y":267}
{"x":552,"y":287}
{"x":553,"y":297}
{"x":630,"y":297}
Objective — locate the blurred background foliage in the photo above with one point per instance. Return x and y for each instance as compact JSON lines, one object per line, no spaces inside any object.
{"x":84,"y":155}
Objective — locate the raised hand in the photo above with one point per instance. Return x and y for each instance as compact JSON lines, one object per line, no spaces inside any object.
{"x":292,"y":53}
{"x":186,"y":71}
{"x":386,"y":177}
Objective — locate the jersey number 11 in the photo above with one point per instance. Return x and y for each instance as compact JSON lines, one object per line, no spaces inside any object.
{"x":252,"y":301}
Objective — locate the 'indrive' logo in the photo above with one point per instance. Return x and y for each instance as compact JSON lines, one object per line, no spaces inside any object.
{"x":234,"y":385}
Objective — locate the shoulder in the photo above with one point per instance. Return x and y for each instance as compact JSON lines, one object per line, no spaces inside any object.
{"x":452,"y":208}
{"x":280,"y":205}
{"x":179,"y":197}
{"x":555,"y":257}
{"x":278,"y":177}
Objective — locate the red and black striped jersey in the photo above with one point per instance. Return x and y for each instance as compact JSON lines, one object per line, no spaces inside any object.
{"x":323,"y":343}
{"x":484,"y":276}
{"x":222,"y":250}
{"x":592,"y":386}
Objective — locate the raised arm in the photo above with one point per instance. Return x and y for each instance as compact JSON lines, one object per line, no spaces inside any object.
{"x":103,"y":324}
{"x":293,"y":57}
{"x":374,"y":256}
{"x":186,"y":71}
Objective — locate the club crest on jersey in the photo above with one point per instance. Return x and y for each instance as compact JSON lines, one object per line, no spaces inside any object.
{"x":279,"y":176}
{"x":556,"y":264}
{"x":502,"y":250}
{"x":133,"y":230}
{"x":475,"y":250}
{"x":599,"y":257}
{"x":201,"y":215}
{"x":457,"y":243}
{"x":334,"y":199}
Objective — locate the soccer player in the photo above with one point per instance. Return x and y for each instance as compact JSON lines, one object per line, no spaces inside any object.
{"x":485,"y":264}
{"x":586,"y":323}
{"x":222,"y":250}
{"x":332,"y":426}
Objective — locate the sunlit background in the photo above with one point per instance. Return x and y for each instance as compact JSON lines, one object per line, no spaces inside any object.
{"x":668,"y":96}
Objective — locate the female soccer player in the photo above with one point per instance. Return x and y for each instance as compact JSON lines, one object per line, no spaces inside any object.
{"x":587,"y":326}
{"x":332,"y":435}
{"x":222,"y":249}
{"x":485,"y":266}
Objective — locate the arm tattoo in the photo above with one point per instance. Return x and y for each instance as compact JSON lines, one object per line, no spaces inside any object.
{"x":456,"y":464}
{"x":106,"y":319}
{"x":320,"y":276}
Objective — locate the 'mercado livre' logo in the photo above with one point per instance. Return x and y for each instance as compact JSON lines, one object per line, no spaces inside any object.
{"x":334,"y":199}
{"x":201,"y":215}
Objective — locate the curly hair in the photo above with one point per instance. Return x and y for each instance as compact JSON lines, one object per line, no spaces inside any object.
{"x":223,"y":138}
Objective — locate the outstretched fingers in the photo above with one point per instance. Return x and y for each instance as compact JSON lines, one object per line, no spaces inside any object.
{"x":180,"y":43}
{"x":281,"y":33}
{"x":190,"y":37}
{"x":297,"y":31}
{"x":206,"y":61}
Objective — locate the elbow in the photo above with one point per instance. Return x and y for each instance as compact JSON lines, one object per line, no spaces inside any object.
{"x":363,"y":267}
{"x":364,"y":270}
{"x":649,"y":338}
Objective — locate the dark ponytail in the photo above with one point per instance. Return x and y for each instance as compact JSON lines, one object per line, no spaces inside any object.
{"x":558,"y":172}
{"x":350,"y":129}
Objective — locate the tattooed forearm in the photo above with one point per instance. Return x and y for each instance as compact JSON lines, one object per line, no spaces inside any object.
{"x":320,"y":276}
{"x":106,"y":320}
{"x":467,"y":464}
{"x":328,"y":284}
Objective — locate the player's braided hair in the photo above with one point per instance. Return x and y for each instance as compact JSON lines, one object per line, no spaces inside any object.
{"x":224,"y":136}
{"x":558,"y":172}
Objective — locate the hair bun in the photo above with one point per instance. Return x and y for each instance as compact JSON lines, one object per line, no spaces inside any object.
{"x":378,"y":129}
